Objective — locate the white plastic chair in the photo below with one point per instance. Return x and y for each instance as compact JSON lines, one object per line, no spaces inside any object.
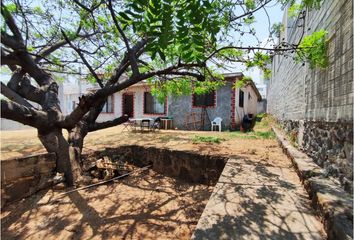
{"x":216,"y":122}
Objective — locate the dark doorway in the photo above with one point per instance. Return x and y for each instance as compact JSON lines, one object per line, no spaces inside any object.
{"x":128,"y":104}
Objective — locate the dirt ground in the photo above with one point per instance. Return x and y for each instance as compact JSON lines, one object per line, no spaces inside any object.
{"x":144,"y":206}
{"x":147,"y":206}
{"x":25,"y":142}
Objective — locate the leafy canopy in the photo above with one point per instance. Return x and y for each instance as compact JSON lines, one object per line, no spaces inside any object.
{"x":176,"y":29}
{"x":191,"y":33}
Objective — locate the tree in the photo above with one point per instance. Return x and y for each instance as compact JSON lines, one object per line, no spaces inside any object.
{"x":171,"y":44}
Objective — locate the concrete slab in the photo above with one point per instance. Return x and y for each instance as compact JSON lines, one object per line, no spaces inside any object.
{"x":305,"y":166}
{"x":254,"y":201}
{"x":333,"y":204}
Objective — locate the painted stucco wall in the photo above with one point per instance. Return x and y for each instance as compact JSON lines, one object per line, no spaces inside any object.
{"x":249,"y":106}
{"x":138,"y":93}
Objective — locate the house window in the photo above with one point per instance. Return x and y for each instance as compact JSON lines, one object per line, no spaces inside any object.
{"x":204,"y":100}
{"x":152,"y":105}
{"x":241,"y":98}
{"x":108,"y":106}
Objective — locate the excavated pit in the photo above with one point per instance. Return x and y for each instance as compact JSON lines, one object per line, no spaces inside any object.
{"x":187,"y":166}
{"x":164,"y":202}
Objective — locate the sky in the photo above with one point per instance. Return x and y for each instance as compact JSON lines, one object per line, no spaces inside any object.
{"x":262,"y":29}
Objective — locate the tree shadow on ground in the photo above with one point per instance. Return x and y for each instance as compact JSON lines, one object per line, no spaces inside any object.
{"x":152,"y":206}
{"x":256,"y":201}
{"x":144,"y":206}
{"x":17,"y":210}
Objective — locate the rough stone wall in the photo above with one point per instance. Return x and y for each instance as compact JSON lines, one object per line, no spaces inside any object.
{"x":329,"y":144}
{"x":316,"y":106}
{"x":180,"y":107}
{"x":188,"y":166}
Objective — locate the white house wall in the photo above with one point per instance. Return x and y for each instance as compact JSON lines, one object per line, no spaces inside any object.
{"x":249,"y":105}
{"x":138,"y":93}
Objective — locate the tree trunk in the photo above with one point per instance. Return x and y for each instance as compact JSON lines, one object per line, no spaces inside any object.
{"x":68,"y":156}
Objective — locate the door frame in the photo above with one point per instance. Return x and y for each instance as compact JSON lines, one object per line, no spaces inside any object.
{"x":123,"y":96}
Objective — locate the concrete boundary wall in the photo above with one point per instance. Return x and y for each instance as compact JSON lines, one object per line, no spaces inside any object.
{"x":21,"y":177}
{"x":315,"y":106}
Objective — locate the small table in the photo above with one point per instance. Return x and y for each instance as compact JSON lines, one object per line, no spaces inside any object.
{"x":166,"y":121}
{"x":141,"y":120}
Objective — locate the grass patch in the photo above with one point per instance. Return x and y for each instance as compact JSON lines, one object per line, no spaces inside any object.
{"x":265,"y":135}
{"x":206,"y":139}
{"x":247,"y":135}
{"x":253,"y":135}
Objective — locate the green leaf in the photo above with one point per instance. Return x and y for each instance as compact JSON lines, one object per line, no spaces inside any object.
{"x":250,"y":4}
{"x":124,"y":16}
{"x":11,"y":7}
{"x":161,"y":54}
{"x":313,"y":48}
{"x":38,"y":10}
{"x":137,"y":8}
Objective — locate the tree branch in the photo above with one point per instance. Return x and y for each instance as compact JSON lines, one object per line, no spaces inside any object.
{"x":90,"y":10}
{"x":170,"y":70}
{"x":21,"y":84}
{"x":190,"y":74}
{"x":13,"y":96}
{"x":107,"y":124}
{"x":92,"y":99}
{"x":9,"y":59}
{"x":25,"y":115}
{"x":124,"y":64}
{"x":250,"y":12}
{"x":10,"y":41}
{"x":49,"y":49}
{"x":32,"y":93}
{"x":131,"y":54}
{"x":10,"y":21}
{"x":94,"y":74}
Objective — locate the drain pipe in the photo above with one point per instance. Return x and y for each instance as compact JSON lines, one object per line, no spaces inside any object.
{"x":103,"y":182}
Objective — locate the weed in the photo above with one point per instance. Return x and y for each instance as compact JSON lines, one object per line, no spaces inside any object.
{"x":293,"y":135}
{"x":208,"y":139}
{"x":254,"y":135}
{"x":265,"y":135}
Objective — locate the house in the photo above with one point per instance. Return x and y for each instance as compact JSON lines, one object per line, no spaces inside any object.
{"x":194,"y":112}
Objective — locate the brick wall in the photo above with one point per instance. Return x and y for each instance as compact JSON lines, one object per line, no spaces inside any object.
{"x":317,"y":105}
